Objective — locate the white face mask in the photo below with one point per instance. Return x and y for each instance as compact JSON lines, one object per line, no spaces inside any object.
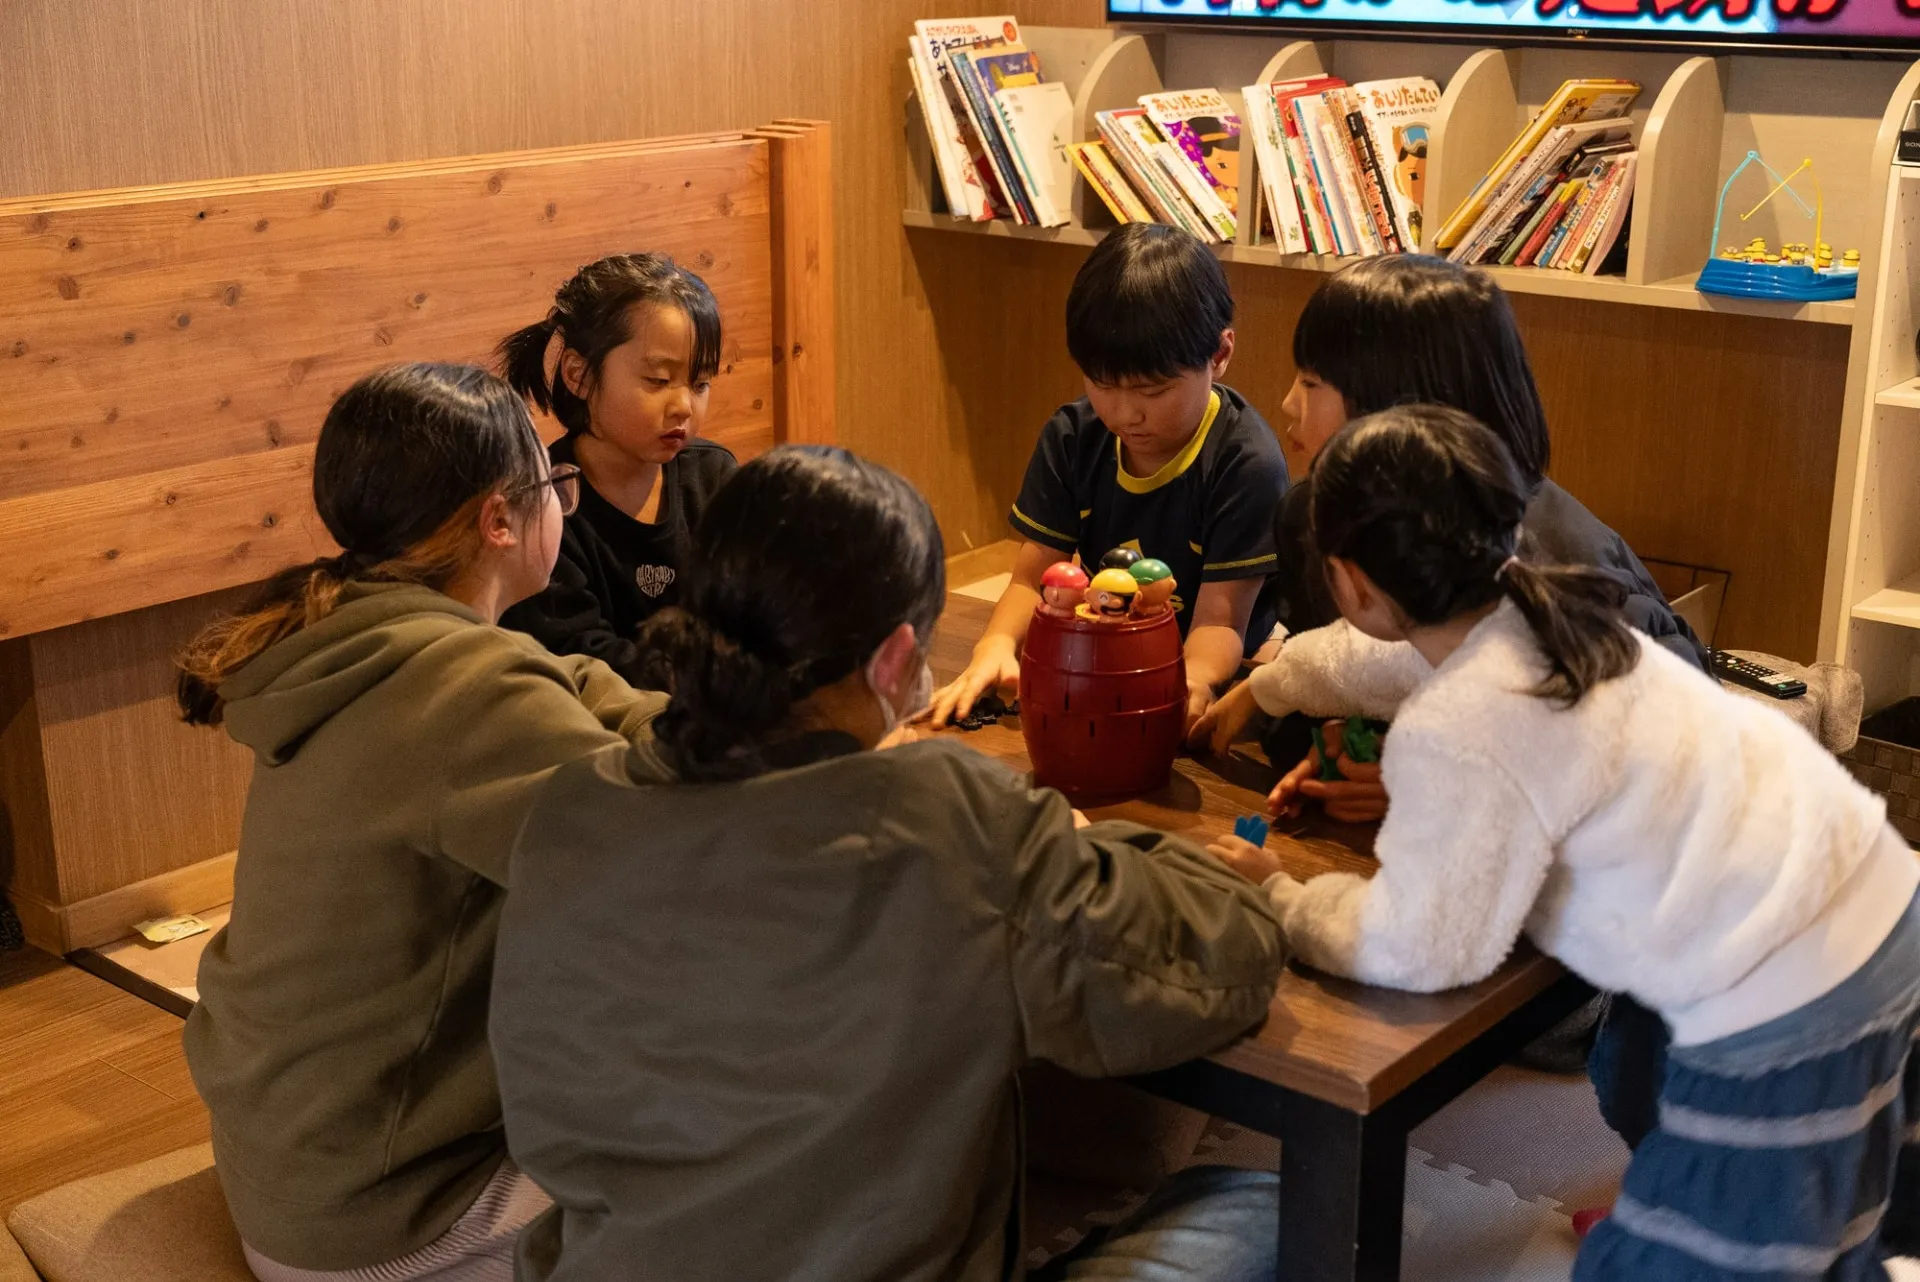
{"x":919,"y":698}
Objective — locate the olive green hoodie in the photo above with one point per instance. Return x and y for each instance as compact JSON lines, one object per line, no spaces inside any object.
{"x":340,"y":1041}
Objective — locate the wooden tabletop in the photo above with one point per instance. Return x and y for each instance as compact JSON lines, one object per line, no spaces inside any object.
{"x":1342,"y":1042}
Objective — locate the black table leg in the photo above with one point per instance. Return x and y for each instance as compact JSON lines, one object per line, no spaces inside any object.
{"x":1343,"y":1182}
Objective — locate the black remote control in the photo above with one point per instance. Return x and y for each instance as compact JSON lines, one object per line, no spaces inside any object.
{"x":1740,"y":672}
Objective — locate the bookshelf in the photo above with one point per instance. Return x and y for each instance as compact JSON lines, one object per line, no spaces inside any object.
{"x":1696,"y":120}
{"x":1871,"y":618}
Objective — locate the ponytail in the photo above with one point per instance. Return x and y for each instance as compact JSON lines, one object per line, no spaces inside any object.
{"x":523,"y":361}
{"x":292,"y":599}
{"x":1428,"y":503}
{"x":727,"y":700}
{"x":1575,"y":617}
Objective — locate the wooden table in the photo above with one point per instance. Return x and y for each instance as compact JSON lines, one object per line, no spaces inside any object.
{"x":1340,"y":1072}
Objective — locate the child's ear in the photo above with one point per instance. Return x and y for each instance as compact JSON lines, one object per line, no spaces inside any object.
{"x":497,"y":527}
{"x":1223,"y":354}
{"x":573,"y":372}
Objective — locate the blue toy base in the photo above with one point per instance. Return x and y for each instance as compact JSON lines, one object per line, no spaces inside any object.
{"x":1796,"y":283}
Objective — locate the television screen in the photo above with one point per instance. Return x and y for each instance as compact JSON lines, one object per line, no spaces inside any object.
{"x":1807,"y":25}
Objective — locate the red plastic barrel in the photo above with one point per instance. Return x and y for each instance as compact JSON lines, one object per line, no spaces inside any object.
{"x":1102,"y":705}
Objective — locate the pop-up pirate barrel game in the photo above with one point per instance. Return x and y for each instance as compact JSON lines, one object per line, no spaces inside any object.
{"x":1103,"y":679}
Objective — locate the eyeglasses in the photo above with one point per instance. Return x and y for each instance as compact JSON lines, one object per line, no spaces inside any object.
{"x":565,"y":480}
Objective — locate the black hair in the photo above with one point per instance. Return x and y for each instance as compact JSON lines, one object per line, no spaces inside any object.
{"x":593,"y":314}
{"x":1427,"y":501}
{"x":405,"y":459}
{"x":1403,"y":328}
{"x":1149,"y":303}
{"x":805,"y":561}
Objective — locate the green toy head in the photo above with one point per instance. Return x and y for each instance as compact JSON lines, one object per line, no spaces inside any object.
{"x":1148,"y":570}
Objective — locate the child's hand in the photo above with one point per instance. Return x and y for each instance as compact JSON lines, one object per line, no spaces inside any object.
{"x":1224,"y":721}
{"x":995,"y":666}
{"x":1285,"y":800}
{"x":1081,"y":821}
{"x":1199,"y":699}
{"x":898,"y":737}
{"x":1255,"y":863}
{"x":1358,"y":799}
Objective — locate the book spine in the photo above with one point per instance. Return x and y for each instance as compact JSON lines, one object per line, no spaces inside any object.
{"x":1375,"y":180}
{"x":1344,"y":193}
{"x":1580,"y":218}
{"x":1130,"y":199}
{"x":966,"y":196}
{"x":1276,"y":173}
{"x":938,"y":143}
{"x":1549,"y":228}
{"x":1577,"y":254}
{"x":981,"y":112}
{"x":1319,"y":220}
{"x":1120,"y":146}
{"x":1084,"y":164}
{"x":1616,"y":219}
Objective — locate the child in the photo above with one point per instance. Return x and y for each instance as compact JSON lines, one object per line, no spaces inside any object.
{"x":765,"y":1022}
{"x":639,"y":346}
{"x":340,"y":1040}
{"x":1557,"y":774}
{"x":1155,"y":457}
{"x":1410,"y":328}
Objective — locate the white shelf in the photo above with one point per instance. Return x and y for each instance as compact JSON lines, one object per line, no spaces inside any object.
{"x":1678,"y":293}
{"x":1905,"y":395}
{"x":1898,"y":605}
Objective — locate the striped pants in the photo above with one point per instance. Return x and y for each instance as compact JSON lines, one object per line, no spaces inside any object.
{"x":1773,"y":1153}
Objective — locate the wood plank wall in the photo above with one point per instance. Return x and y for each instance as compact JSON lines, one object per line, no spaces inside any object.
{"x":950,"y":352}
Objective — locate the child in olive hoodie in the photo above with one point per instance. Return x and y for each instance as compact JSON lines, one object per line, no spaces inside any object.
{"x":340,"y":1038}
{"x":764,"y":1021}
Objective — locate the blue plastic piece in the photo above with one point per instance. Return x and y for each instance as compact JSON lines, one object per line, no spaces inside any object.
{"x":1796,"y":282}
{"x":1251,"y":829}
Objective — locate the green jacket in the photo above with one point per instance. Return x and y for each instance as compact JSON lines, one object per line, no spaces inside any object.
{"x":340,"y":1037}
{"x":769,"y":1029}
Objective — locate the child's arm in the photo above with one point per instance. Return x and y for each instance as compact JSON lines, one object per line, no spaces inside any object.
{"x":1216,"y":639}
{"x":996,"y":656}
{"x":1462,"y":859}
{"x":1338,"y":671}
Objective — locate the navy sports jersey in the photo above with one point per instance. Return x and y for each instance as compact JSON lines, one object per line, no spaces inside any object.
{"x":1209,"y":513}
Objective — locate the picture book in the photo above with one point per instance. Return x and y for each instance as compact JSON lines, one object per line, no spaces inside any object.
{"x":1400,"y":115}
{"x":1039,"y":125}
{"x":966,"y":170}
{"x":1206,"y":130}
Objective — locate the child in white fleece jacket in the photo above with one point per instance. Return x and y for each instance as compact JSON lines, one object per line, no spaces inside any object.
{"x":1556,"y":774}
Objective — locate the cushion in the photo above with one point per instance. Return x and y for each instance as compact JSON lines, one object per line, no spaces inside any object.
{"x":14,"y":1266}
{"x":1829,"y":710}
{"x":161,"y":1221}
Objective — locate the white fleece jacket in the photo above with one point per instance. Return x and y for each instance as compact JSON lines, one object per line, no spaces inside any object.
{"x":1663,"y":837}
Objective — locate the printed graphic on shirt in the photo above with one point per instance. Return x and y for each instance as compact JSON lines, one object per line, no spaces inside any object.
{"x":653,"y":579}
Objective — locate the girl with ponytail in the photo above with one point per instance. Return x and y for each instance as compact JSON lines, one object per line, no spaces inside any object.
{"x":722,"y":1004}
{"x":625,"y":360}
{"x":1557,"y":775}
{"x":340,"y":1039}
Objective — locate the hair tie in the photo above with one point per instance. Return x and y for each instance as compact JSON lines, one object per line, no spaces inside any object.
{"x":1500,"y":575}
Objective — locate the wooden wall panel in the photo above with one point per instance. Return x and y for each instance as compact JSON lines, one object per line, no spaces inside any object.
{"x":97,"y":93}
{"x":128,"y":782}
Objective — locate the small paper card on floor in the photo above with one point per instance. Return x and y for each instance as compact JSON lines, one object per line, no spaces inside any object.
{"x":164,"y":930}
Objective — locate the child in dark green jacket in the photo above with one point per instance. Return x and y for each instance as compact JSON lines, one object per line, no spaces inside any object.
{"x":399,"y":739}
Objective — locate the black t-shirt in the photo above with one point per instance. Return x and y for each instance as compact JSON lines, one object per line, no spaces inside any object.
{"x":1209,"y":513}
{"x":614,"y":572}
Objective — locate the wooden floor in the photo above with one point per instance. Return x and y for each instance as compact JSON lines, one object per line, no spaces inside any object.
{"x":91,"y":1078}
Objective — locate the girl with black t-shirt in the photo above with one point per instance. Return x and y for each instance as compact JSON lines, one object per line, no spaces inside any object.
{"x":639,"y":346}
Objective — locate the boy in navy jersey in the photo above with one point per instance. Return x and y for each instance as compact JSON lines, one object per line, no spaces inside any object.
{"x":1157,"y":457}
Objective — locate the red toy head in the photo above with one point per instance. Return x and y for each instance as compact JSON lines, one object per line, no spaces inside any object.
{"x":1062,"y":587}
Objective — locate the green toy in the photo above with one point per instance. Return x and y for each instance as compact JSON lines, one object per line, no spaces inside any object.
{"x":1359,"y":737}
